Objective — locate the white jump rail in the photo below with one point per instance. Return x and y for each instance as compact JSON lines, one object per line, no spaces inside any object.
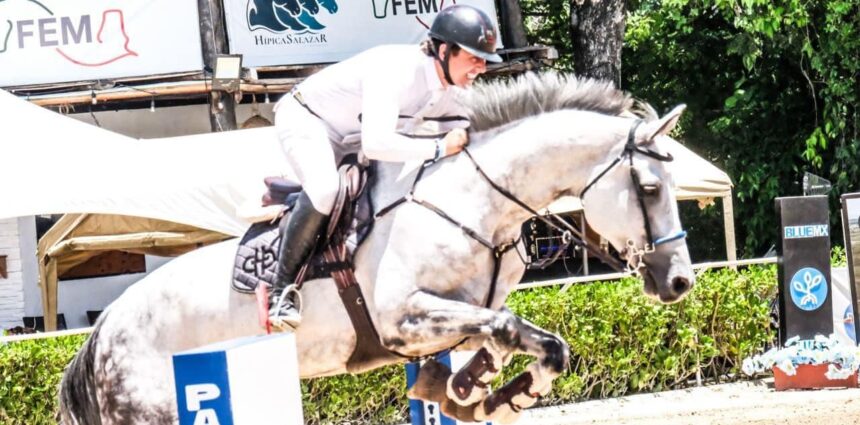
{"x":570,"y":281}
{"x":567,"y":282}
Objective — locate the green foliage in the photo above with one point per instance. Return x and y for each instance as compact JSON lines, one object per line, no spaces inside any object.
{"x":771,"y":87}
{"x":547,"y":22}
{"x":30,"y":373}
{"x":621,"y":342}
{"x":376,"y":397}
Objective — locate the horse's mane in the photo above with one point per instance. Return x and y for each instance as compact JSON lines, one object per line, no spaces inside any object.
{"x":500,"y":102}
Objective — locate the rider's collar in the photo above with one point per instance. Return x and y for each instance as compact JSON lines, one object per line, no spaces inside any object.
{"x":433,"y":81}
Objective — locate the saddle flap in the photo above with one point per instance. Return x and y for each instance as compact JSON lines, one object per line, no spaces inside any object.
{"x":352,"y":221}
{"x":353,"y":179}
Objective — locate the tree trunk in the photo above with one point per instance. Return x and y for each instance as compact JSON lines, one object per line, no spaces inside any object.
{"x":213,"y":41}
{"x":597,"y":32}
{"x":511,"y":22}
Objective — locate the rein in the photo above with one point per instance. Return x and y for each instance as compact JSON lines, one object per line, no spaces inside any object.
{"x":570,"y":234}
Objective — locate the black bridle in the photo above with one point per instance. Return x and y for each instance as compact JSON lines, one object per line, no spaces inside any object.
{"x":570,"y":233}
{"x":635,"y":254}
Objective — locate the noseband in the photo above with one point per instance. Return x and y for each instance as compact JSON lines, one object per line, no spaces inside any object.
{"x":635,"y":254}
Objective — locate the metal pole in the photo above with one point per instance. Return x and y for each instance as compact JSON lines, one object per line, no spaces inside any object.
{"x":213,"y":41}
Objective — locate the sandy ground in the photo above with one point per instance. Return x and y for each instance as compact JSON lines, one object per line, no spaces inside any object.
{"x":752,"y":403}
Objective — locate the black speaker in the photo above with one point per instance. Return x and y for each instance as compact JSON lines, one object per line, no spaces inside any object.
{"x":38,"y":322}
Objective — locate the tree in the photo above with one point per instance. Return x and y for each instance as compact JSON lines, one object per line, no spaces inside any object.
{"x":513,"y":27}
{"x":597,"y":34}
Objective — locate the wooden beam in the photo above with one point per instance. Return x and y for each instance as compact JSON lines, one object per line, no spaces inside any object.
{"x":49,"y":282}
{"x":729,"y":226}
{"x":132,"y":241}
{"x":173,"y":90}
{"x":108,"y":263}
{"x":4,"y":273}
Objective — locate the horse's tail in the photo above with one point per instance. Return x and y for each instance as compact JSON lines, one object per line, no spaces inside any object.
{"x":79,"y":404}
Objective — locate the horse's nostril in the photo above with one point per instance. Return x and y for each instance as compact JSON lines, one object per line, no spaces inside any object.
{"x":680,"y":285}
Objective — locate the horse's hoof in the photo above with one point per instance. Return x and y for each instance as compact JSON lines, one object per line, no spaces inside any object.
{"x":541,"y":383}
{"x":524,"y":400}
{"x":461,"y":413}
{"x":504,"y":413}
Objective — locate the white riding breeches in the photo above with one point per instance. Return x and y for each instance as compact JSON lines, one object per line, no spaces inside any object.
{"x":305,"y":141}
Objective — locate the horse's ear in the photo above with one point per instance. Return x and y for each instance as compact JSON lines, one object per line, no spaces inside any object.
{"x":661,"y":127}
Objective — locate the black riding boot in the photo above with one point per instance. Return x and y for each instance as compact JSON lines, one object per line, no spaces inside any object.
{"x":299,"y":233}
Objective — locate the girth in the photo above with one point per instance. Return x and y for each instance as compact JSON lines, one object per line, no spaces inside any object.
{"x":369,"y":353}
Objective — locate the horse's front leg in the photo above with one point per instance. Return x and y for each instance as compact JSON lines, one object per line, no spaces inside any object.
{"x":429,"y":320}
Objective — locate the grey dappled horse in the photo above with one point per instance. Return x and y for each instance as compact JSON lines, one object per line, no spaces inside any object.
{"x":424,"y":280}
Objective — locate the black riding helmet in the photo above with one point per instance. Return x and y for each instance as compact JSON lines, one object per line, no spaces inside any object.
{"x":467,"y":27}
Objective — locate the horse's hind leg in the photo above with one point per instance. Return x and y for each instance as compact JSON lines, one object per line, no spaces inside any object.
{"x":431,"y":319}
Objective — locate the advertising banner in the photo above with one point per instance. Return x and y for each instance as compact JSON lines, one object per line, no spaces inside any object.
{"x":851,"y":232}
{"x":805,"y":292}
{"x":289,"y":32}
{"x":53,"y":41}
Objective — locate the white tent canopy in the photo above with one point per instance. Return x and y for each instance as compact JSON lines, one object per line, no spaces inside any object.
{"x":695,"y":179}
{"x":54,"y":164}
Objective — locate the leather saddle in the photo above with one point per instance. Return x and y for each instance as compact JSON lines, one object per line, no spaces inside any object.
{"x":350,"y":221}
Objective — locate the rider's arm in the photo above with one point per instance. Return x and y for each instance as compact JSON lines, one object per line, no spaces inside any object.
{"x":380,"y":110}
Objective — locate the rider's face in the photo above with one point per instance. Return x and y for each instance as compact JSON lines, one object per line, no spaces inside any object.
{"x":463,"y":66}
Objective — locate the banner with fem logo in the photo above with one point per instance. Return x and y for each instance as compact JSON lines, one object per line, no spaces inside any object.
{"x":53,"y":41}
{"x":289,"y":32}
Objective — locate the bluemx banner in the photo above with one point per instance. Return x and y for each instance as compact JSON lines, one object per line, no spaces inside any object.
{"x":288,"y":32}
{"x":52,"y":41}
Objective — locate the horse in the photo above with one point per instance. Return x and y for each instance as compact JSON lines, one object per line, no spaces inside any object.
{"x":426,"y":281}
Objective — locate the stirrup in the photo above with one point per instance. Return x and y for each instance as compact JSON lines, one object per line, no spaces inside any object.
{"x":288,"y":322}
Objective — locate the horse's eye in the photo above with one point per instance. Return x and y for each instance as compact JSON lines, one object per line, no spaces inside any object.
{"x":651,"y":189}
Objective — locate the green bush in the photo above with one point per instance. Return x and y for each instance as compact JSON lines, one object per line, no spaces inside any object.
{"x":620,"y":342}
{"x":30,"y":373}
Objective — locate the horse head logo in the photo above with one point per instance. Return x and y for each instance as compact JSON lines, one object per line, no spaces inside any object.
{"x":279,"y":16}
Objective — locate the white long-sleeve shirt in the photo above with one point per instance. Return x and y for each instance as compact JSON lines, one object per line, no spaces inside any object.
{"x":371,"y":92}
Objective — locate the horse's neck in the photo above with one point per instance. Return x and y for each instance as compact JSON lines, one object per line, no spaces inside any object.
{"x":542,"y":159}
{"x":537,"y":160}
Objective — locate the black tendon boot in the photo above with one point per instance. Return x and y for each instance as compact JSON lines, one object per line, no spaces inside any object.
{"x":299,"y":233}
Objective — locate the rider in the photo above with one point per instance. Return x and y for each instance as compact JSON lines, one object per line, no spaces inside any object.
{"x":370,"y":94}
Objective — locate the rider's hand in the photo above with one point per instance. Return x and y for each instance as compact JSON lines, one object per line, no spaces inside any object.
{"x":455,"y":141}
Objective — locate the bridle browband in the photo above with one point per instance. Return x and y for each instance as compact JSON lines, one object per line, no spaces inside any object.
{"x":635,"y":254}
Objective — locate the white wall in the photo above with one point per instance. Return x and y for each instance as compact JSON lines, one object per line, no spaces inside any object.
{"x":29,"y":266}
{"x":75,"y":297}
{"x":12,"y":287}
{"x":20,"y":294}
{"x":167,"y":122}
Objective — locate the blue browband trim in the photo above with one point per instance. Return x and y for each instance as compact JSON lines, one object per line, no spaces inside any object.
{"x":666,"y":239}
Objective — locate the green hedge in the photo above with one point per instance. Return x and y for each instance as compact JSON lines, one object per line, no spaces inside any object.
{"x":30,"y":372}
{"x":620,"y":343}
